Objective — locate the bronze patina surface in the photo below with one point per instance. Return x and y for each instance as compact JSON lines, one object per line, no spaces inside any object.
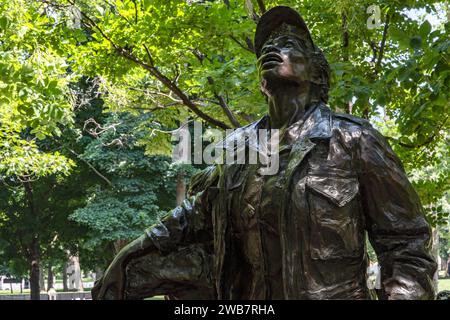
{"x":298,"y":234}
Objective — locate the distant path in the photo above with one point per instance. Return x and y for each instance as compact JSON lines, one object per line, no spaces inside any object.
{"x":59,"y":296}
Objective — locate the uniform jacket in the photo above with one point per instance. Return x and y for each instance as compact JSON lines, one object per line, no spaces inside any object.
{"x":342,"y":182}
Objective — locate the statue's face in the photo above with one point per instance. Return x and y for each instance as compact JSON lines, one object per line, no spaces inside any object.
{"x":283,"y":61}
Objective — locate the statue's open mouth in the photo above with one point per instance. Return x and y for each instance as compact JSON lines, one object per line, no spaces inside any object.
{"x":271,"y":60}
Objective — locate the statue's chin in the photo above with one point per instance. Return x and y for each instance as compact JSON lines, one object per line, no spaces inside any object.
{"x":274,"y":80}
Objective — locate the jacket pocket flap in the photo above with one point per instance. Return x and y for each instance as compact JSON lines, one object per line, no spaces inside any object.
{"x":338,"y":190}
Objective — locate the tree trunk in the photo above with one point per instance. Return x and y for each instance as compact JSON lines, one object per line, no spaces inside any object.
{"x":435,"y":251}
{"x":262,"y":6}
{"x":35,"y":290}
{"x":448,"y":11}
{"x":64,"y":278}
{"x":98,"y":273}
{"x":41,"y":278}
{"x":443,"y":265}
{"x":181,"y":188}
{"x":348,"y":106}
{"x":74,"y":273}
{"x":34,"y":250}
{"x":49,"y":277}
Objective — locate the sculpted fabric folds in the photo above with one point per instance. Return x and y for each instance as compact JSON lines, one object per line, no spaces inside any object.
{"x":301,"y":232}
{"x":328,"y":194}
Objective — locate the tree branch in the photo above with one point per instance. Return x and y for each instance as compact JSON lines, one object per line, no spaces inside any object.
{"x":158,"y":107}
{"x":56,"y":5}
{"x":224,"y":106}
{"x":251,"y":10}
{"x":345,"y":36}
{"x":372,"y":46}
{"x":247,"y":47}
{"x":262,"y":7}
{"x":117,"y":10}
{"x":91,"y":166}
{"x":383,"y":44}
{"x":86,"y":162}
{"x":135,"y":11}
{"x":156,"y":73}
{"x":419,"y":145}
{"x":150,"y":58}
{"x":148,"y":92}
{"x":177,"y":73}
{"x":345,"y":52}
{"x":200,"y":56}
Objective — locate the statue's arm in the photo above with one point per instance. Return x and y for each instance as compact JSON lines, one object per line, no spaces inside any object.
{"x":187,"y":224}
{"x":184,"y":273}
{"x":395,"y":221}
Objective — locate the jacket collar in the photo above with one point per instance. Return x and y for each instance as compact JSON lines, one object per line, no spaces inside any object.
{"x":315,"y":124}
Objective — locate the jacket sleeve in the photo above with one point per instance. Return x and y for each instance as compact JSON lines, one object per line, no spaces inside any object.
{"x":177,"y":259}
{"x":395,"y":221}
{"x":191,"y":221}
{"x":172,"y":256}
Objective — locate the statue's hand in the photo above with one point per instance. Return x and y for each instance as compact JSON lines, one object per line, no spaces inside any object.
{"x":396,"y":292}
{"x":111,"y":285}
{"x":404,"y":289}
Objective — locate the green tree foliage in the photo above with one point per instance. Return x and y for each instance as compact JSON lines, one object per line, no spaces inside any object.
{"x":176,"y":58}
{"x":140,"y":188}
{"x":33,"y":76}
{"x":89,"y":87}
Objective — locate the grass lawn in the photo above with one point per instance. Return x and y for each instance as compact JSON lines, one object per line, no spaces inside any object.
{"x":27,"y":291}
{"x":444,"y":284}
{"x":4,"y":292}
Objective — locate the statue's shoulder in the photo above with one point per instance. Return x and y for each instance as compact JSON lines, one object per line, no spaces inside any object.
{"x":360,"y":128}
{"x":348,"y":118}
{"x":353,"y":126}
{"x":237,"y":135}
{"x":209,"y":176}
{"x":203,"y":179}
{"x":261,"y":123}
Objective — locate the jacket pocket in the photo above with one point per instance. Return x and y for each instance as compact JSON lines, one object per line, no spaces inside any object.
{"x":337,"y":190}
{"x":336,"y":230}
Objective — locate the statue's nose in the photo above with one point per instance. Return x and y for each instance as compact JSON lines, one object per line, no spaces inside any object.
{"x":269,"y":48}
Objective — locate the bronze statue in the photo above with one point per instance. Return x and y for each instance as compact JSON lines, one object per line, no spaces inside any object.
{"x":298,"y":234}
